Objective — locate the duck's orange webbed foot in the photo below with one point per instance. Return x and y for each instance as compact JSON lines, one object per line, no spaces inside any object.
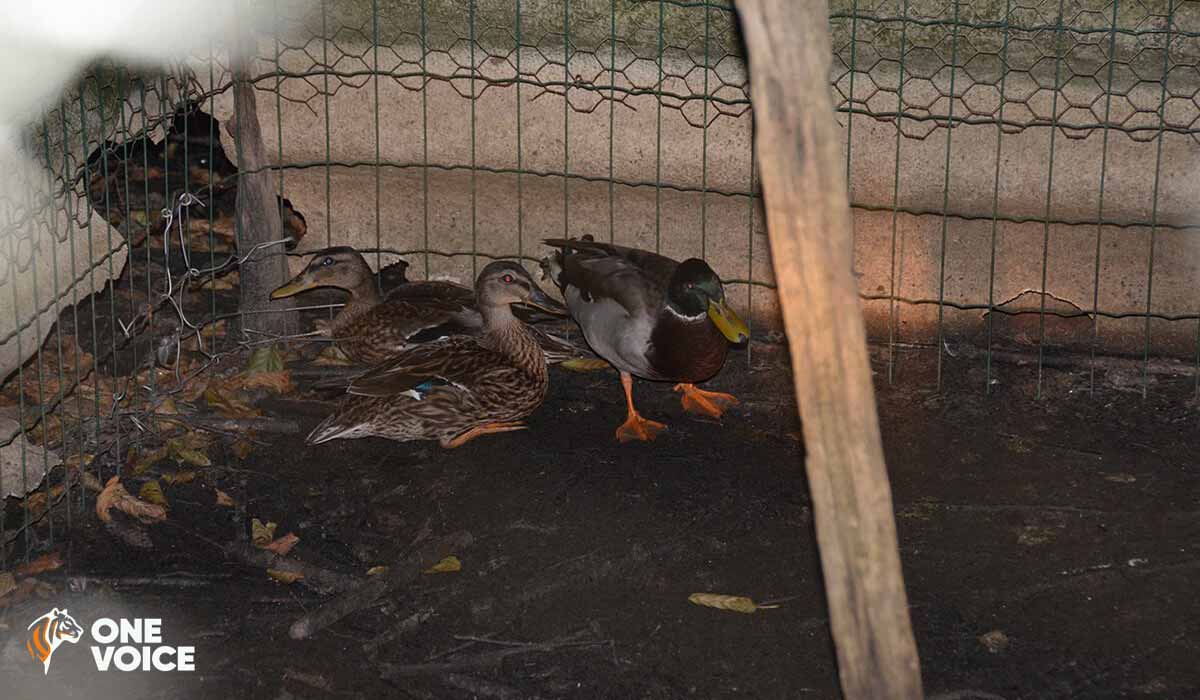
{"x":637,"y":428}
{"x":706,"y":403}
{"x":481,"y":430}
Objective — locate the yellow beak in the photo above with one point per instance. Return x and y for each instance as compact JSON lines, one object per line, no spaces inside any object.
{"x":299,"y":283}
{"x":727,"y":321}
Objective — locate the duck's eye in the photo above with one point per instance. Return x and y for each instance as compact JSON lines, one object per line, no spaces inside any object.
{"x":508,"y":279}
{"x":326,"y":262}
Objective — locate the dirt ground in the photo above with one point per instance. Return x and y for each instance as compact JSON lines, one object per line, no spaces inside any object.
{"x":1050,"y":548}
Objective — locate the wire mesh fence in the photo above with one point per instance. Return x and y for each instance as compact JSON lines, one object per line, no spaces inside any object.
{"x":1070,"y":124}
{"x":1006,"y":160}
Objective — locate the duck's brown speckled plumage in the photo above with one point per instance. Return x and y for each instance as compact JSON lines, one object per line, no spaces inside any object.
{"x":442,"y":389}
{"x":370,"y":330}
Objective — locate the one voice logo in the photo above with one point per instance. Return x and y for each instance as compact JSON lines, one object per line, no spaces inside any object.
{"x":124,"y":644}
{"x":48,"y":632}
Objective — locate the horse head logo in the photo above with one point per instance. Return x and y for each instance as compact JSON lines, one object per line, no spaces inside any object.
{"x":48,"y":632}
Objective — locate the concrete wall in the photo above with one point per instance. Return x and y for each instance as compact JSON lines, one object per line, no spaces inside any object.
{"x":53,"y":251}
{"x":1090,"y":94}
{"x":1054,"y":97}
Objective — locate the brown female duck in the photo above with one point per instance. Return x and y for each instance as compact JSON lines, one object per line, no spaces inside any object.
{"x":369,"y":328}
{"x":372,"y":327}
{"x":457,"y":388}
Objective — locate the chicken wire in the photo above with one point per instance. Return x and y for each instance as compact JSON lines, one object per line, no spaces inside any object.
{"x":587,"y":69}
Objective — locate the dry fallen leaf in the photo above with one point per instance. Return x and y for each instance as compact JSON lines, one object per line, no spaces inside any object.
{"x":185,"y":453}
{"x":167,"y":407}
{"x":995,"y":641}
{"x":448,"y":565}
{"x":195,"y":439}
{"x":192,"y":391}
{"x":264,"y":359}
{"x":242,"y":448}
{"x":193,"y":457}
{"x":180,"y":477}
{"x":331,"y":356}
{"x":36,"y":502}
{"x":114,"y":495}
{"x":214,"y":329}
{"x":76,"y":461}
{"x":223,"y":499}
{"x":44,"y":563}
{"x":48,"y":433}
{"x":216,"y":283}
{"x":151,"y":492}
{"x":278,"y":382}
{"x":261,"y":535}
{"x":284,"y":576}
{"x":283,"y":545}
{"x":25,"y":588}
{"x":58,"y":372}
{"x":376,"y":570}
{"x":227,"y":405}
{"x":733,"y":603}
{"x":144,"y":460}
{"x":8,"y":583}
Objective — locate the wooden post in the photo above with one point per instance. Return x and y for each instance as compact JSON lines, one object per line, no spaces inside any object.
{"x":258,"y":219}
{"x":808,"y":217}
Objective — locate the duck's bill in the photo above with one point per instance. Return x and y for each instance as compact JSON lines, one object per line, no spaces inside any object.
{"x":543,"y":301}
{"x":726,"y":321}
{"x":299,"y":283}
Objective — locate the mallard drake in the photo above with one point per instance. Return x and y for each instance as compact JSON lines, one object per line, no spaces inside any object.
{"x":457,"y":388}
{"x":372,"y":327}
{"x":649,"y":316}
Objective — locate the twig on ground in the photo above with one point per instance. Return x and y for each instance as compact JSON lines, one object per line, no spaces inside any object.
{"x":452,"y":650}
{"x":79,"y":584}
{"x":489,"y":658}
{"x":405,"y":627}
{"x":240,"y":425}
{"x":312,"y":680}
{"x":484,"y":688}
{"x":1074,"y":360}
{"x":312,"y":576}
{"x":365,"y":594}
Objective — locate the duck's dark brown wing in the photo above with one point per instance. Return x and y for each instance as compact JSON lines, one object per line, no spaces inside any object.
{"x":458,"y":360}
{"x":393,"y":325}
{"x":432,"y":290}
{"x":636,"y":279}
